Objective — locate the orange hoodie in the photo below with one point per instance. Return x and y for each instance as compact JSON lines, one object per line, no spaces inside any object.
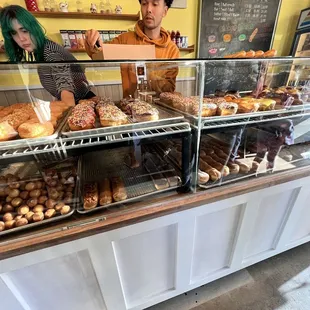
{"x":161,"y":77}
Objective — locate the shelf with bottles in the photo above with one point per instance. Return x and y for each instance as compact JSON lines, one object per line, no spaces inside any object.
{"x":103,"y":11}
{"x":81,"y":15}
{"x":190,"y":49}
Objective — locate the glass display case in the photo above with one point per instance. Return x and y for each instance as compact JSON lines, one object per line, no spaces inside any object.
{"x":261,"y":122}
{"x":183,"y":126}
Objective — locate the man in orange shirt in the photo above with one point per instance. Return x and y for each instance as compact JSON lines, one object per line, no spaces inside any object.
{"x":147,"y":31}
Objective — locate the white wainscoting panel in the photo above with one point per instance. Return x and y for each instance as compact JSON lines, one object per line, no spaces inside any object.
{"x":8,"y":300}
{"x":146,"y":263}
{"x":301,"y":228}
{"x":137,"y":266}
{"x":67,"y":282}
{"x":214,"y":239}
{"x":272,"y":214}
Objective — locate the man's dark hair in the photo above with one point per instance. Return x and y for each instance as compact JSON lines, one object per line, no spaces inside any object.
{"x":168,"y":3}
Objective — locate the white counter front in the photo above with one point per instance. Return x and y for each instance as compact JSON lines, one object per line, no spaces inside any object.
{"x":140,"y":265}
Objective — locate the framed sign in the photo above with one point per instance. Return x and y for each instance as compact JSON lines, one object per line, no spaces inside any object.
{"x":180,"y":4}
{"x":304,"y":19}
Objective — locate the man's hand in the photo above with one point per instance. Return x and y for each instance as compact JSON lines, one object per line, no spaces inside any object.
{"x":91,"y":37}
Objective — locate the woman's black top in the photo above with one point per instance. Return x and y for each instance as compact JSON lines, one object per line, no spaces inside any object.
{"x":59,"y":77}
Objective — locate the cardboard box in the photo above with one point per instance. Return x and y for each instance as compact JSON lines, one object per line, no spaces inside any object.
{"x":126,"y":52}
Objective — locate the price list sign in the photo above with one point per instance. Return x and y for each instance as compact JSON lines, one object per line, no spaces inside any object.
{"x":230,"y":26}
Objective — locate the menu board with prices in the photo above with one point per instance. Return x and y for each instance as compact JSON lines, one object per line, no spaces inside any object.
{"x":230,"y":26}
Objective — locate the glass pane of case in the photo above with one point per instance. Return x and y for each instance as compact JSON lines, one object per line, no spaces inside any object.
{"x":261,"y":126}
{"x":147,"y":130}
{"x":101,"y":154}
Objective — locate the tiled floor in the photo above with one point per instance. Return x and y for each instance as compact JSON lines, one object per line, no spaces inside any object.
{"x":279,"y":283}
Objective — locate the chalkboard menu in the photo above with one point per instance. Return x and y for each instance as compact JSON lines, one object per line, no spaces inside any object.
{"x":230,"y":26}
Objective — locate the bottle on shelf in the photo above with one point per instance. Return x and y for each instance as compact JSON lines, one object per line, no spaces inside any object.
{"x":102,"y":7}
{"x":173,"y":36}
{"x":53,"y":5}
{"x":32,"y":5}
{"x":79,"y":6}
{"x":47,"y":5}
{"x":108,"y":7}
{"x":177,"y":38}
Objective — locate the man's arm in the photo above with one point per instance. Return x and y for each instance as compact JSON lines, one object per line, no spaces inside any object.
{"x":162,"y":77}
{"x":91,"y":38}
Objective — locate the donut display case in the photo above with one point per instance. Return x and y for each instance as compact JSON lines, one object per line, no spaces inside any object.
{"x":256,"y":130}
{"x":203,"y":169}
{"x":186,"y":127}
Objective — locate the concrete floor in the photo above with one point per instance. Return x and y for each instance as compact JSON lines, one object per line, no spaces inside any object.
{"x":279,"y":283}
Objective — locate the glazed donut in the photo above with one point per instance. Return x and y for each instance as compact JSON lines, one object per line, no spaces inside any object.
{"x":6,"y":111}
{"x":271,"y":53}
{"x":7,"y":132}
{"x":259,"y":54}
{"x":218,"y":166}
{"x":244,"y":168}
{"x":16,"y":118}
{"x":220,"y":153}
{"x":241,"y":54}
{"x":33,"y":129}
{"x":88,"y":102}
{"x":213,"y":173}
{"x":250,"y":54}
{"x":203,"y":177}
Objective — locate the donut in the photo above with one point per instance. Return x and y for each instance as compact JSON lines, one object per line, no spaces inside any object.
{"x":7,"y":132}
{"x":250,"y":54}
{"x":259,"y":54}
{"x":32,"y":129}
{"x":271,"y":53}
{"x":227,"y":108}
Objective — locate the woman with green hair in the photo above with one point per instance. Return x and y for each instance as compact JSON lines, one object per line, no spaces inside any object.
{"x":25,"y":40}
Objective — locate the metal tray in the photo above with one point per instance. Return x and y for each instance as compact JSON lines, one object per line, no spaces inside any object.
{"x":18,"y":142}
{"x":138,"y":181}
{"x":168,"y":107}
{"x":75,"y":202}
{"x":237,"y":116}
{"x":300,"y":107}
{"x":25,"y":170}
{"x":165,"y":117}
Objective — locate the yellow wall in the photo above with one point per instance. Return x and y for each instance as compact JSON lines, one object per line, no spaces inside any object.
{"x":183,"y":20}
{"x":287,"y":22}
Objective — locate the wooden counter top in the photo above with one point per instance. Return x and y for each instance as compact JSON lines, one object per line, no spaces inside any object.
{"x":82,"y":226}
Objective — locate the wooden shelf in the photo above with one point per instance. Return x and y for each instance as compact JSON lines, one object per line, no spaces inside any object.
{"x":189,"y":49}
{"x":80,"y":15}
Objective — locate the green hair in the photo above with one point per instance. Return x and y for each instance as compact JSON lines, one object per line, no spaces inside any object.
{"x":29,"y":22}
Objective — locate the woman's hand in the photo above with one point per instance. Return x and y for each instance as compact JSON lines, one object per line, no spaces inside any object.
{"x":91,"y":37}
{"x":67,"y":97}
